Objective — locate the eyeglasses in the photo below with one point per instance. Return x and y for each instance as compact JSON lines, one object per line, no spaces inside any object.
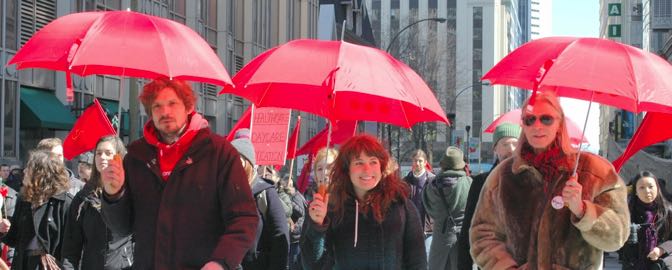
{"x":545,"y":119}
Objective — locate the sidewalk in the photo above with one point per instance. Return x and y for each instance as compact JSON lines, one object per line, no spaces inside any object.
{"x":611,"y":261}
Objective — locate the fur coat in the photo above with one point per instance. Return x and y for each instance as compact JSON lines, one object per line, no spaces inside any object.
{"x":514,"y":225}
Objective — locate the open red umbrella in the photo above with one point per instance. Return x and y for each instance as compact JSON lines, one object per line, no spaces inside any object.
{"x":514,"y":117}
{"x":122,"y":43}
{"x":601,"y":70}
{"x":339,"y":81}
{"x":590,"y":69}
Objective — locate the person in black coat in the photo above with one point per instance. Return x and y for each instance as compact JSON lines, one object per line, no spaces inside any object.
{"x":89,"y":244}
{"x":181,"y":188}
{"x":271,"y":248}
{"x":38,"y":225}
{"x":295,"y":221}
{"x":505,"y":140}
{"x":417,"y":178}
{"x":650,"y":241}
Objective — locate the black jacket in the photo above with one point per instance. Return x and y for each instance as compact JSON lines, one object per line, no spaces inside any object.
{"x":272,"y":245}
{"x":397,"y":243}
{"x":89,"y":244}
{"x":464,"y":260}
{"x":48,"y":220}
{"x":299,"y":214}
{"x":417,"y":186}
{"x":204,"y":212}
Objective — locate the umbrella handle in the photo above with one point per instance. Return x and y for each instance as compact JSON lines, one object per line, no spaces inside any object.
{"x":583,"y":133}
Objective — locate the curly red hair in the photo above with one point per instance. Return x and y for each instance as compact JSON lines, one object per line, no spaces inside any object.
{"x":390,"y":189}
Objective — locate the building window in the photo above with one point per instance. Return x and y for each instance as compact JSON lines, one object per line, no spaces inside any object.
{"x":207,"y":21}
{"x":178,"y":11}
{"x":98,"y":5}
{"x":81,"y":102}
{"x":9,"y":113}
{"x":35,"y":14}
{"x":11,"y":26}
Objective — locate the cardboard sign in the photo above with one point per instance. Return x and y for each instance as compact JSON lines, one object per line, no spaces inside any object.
{"x":269,"y":135}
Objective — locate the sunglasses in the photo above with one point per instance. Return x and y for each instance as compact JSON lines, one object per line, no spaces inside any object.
{"x":545,"y":119}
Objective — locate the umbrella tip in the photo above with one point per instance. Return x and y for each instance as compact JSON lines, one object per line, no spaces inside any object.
{"x":128,"y":9}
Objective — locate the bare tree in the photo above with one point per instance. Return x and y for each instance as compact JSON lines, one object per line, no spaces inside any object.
{"x":434,"y":61}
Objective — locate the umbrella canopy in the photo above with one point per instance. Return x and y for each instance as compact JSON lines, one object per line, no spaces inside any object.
{"x":514,"y":117}
{"x":605,"y":71}
{"x":650,"y":131}
{"x":339,"y":81}
{"x":122,"y":43}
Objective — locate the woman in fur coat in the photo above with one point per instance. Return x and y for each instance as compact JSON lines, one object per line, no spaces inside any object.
{"x":534,"y":214}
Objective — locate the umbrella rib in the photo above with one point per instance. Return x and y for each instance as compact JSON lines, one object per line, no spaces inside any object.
{"x":264,"y":95}
{"x":165,"y":58}
{"x":403,"y":110}
{"x":631,"y":70}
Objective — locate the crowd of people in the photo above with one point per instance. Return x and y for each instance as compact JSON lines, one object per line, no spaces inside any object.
{"x":183,"y":197}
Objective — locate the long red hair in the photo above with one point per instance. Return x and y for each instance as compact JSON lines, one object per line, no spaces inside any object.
{"x":390,"y":189}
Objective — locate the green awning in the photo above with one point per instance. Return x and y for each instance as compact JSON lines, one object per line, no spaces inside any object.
{"x":41,"y":109}
{"x":112,"y":109}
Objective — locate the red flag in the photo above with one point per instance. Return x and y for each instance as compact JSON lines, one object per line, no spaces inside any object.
{"x":648,"y":133}
{"x":243,"y":122}
{"x":340,"y":132}
{"x":91,"y":126}
{"x":294,"y":140}
{"x":304,"y":178}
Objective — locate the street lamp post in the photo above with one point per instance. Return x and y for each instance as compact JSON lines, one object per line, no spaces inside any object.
{"x":389,"y":46}
{"x":452,"y":105}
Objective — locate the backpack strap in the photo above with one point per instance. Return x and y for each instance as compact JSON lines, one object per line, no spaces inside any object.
{"x":450,"y":215}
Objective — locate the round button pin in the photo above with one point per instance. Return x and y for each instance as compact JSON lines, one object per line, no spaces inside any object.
{"x":558,"y":202}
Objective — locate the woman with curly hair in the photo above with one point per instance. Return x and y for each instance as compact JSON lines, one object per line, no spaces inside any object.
{"x":89,"y":244}
{"x":366,"y":221}
{"x":38,"y":224}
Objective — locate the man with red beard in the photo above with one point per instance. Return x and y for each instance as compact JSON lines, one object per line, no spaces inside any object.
{"x":181,"y":189}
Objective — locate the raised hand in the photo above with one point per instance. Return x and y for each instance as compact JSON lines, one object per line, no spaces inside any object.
{"x":113,"y":176}
{"x":317,"y":210}
{"x":571,"y":195}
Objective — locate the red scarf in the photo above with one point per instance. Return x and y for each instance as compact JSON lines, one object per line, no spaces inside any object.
{"x":170,"y":154}
{"x":550,"y":163}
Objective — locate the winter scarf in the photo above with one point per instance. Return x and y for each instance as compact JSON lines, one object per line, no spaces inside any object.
{"x":170,"y":154}
{"x":647,"y":235}
{"x":549,"y":163}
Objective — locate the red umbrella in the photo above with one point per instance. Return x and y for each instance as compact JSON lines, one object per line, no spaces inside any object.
{"x":514,"y":117}
{"x":595,"y":69}
{"x":339,"y":81}
{"x":122,"y":43}
{"x":341,"y":131}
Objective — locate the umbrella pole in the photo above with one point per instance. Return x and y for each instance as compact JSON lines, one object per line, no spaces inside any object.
{"x":583,"y":133}
{"x":121,"y":90}
{"x":291,"y":167}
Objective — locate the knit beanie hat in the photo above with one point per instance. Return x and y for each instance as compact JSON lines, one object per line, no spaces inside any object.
{"x":86,"y":157}
{"x":243,"y":144}
{"x":505,"y":130}
{"x":453,"y":160}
